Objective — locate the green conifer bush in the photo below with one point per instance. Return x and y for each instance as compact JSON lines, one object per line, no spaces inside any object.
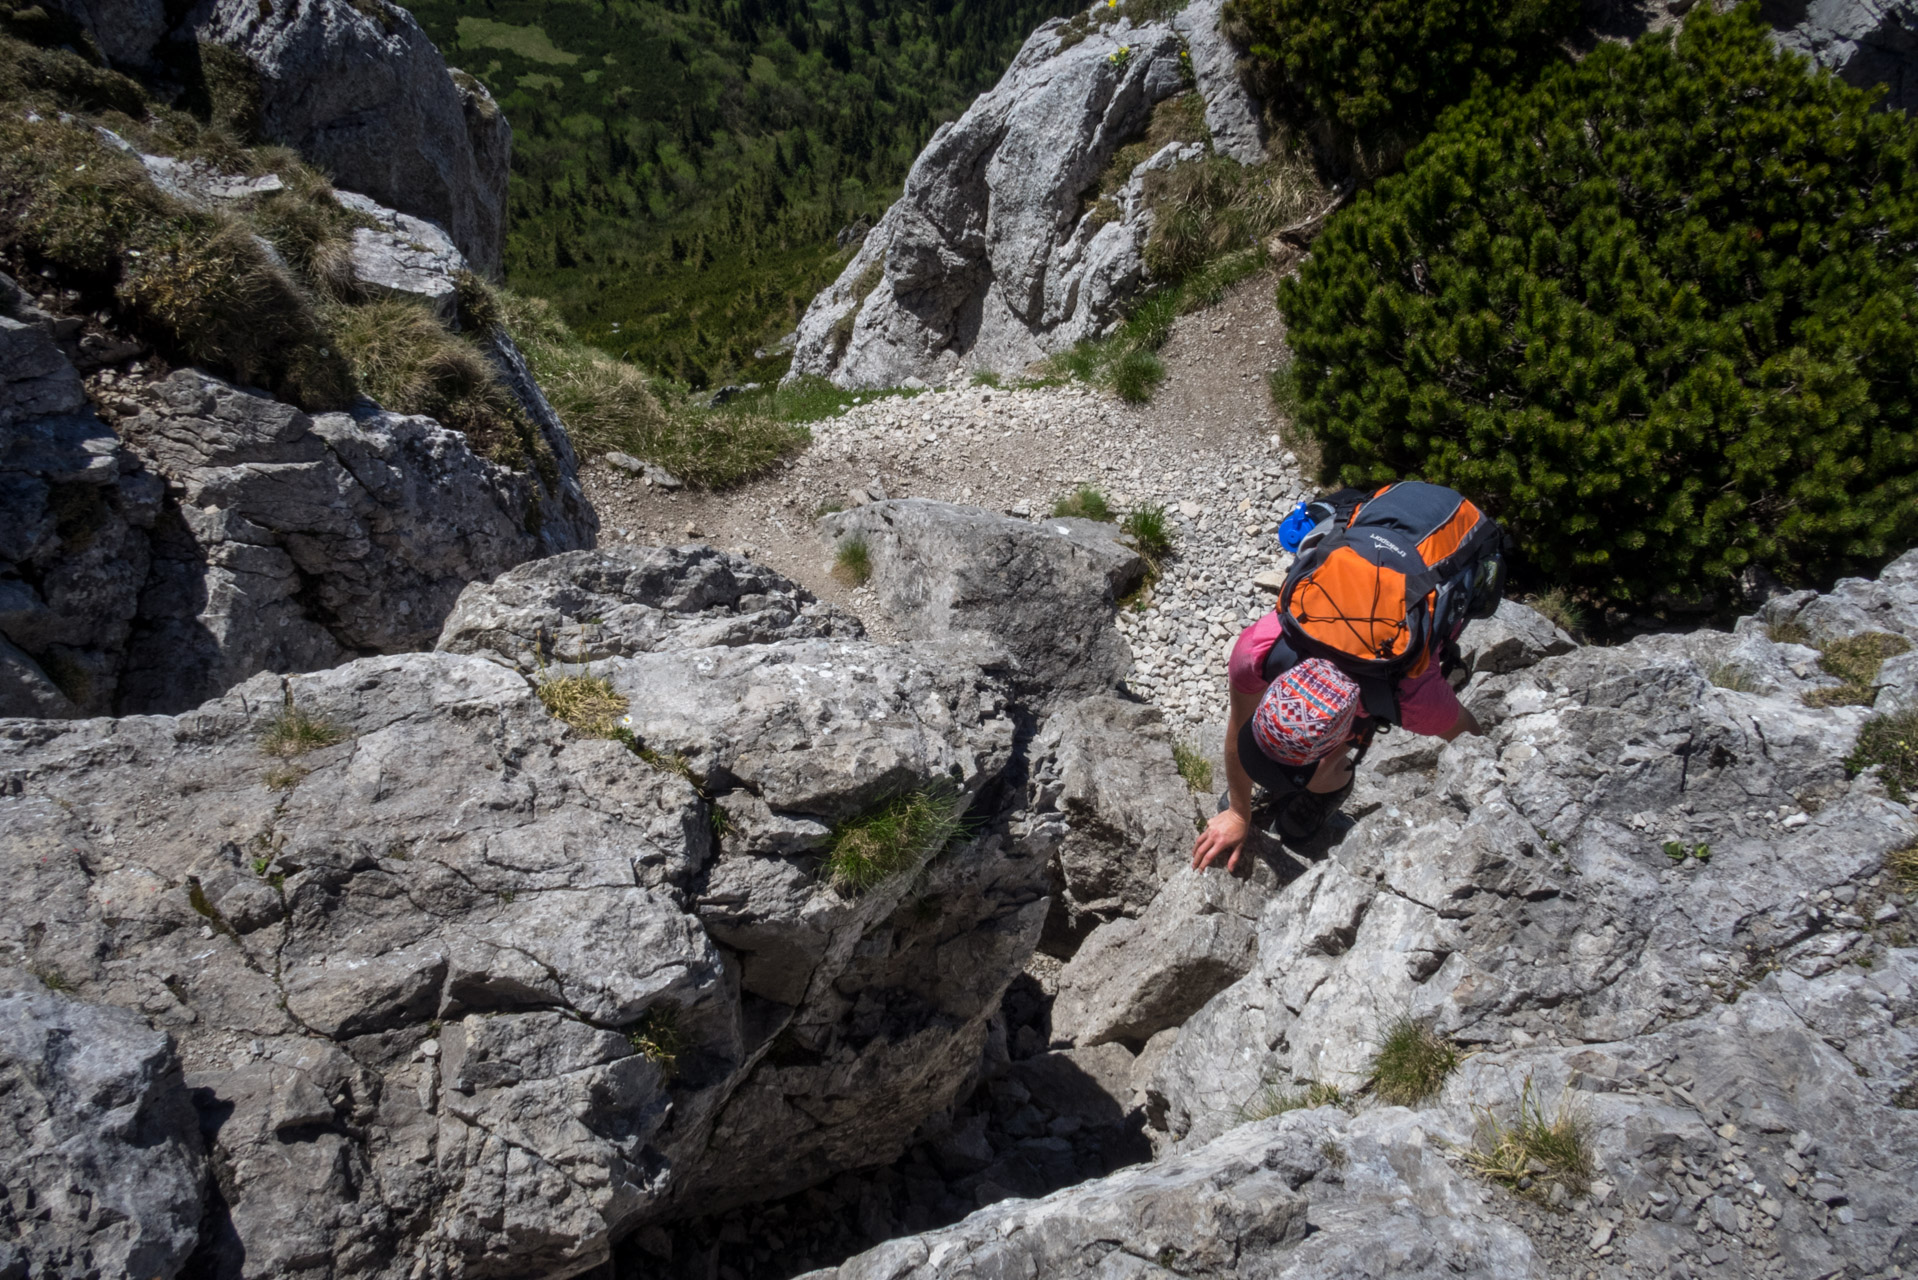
{"x":1655,"y":312}
{"x":1377,"y":72}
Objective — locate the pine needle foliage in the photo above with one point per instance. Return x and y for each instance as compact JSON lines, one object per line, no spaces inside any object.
{"x":1654,"y":313}
{"x":1377,"y":72}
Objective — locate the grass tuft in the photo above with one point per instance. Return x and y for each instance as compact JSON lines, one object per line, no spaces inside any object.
{"x":609,"y":404}
{"x":852,"y":562}
{"x":587,"y":703}
{"x":894,"y":837}
{"x":410,"y":363}
{"x":1855,"y":661}
{"x":283,"y":777}
{"x":1732,"y":676}
{"x":1411,"y":1063}
{"x":1276,"y":1101}
{"x":1534,"y":1150}
{"x":294,"y":733}
{"x":1560,"y":608}
{"x":1149,"y":530}
{"x":1903,"y":866}
{"x":1193,"y":766}
{"x":1136,"y":375}
{"x":1085,"y":503}
{"x":1889,"y":741}
{"x":657,"y":1036}
{"x":1790,"y":631}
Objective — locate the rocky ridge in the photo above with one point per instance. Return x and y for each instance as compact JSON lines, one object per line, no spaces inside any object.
{"x":993,"y":257}
{"x":171,"y":534}
{"x":1734,"y":1024}
{"x":356,"y":88}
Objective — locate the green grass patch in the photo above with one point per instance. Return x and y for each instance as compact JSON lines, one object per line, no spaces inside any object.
{"x":1903,"y":868}
{"x":608,"y":404}
{"x":1150,"y":531}
{"x":852,"y":562}
{"x":589,"y":704}
{"x":1411,"y":1063}
{"x":1560,"y":608}
{"x":656,"y":1036}
{"x":1084,"y":503}
{"x":807,"y":399}
{"x":1855,"y":661}
{"x":529,"y":42}
{"x":1534,"y":1150}
{"x":1890,"y":742}
{"x":1275,"y":1100}
{"x":1193,"y":766}
{"x":294,"y":733}
{"x":895,"y":837}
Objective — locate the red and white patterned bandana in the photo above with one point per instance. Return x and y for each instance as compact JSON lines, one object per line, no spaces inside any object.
{"x":1306,"y":713}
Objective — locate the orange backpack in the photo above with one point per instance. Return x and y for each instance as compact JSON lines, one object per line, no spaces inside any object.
{"x":1384,"y":590}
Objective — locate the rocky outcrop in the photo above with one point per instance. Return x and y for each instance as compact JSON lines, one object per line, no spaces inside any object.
{"x":1107,"y":806}
{"x":1232,"y":115}
{"x":458,"y":988}
{"x":1044,"y":591}
{"x":1866,"y":42}
{"x":1654,"y":904}
{"x":356,"y":88}
{"x":213,"y":532}
{"x":105,"y":1173}
{"x":993,"y":257}
{"x":586,"y":605}
{"x":360,"y":91}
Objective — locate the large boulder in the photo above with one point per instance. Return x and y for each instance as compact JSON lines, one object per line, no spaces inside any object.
{"x":105,"y":1172}
{"x":992,"y":257}
{"x":1134,"y":978}
{"x":212,"y":532}
{"x":461,"y":989}
{"x":1648,"y":905}
{"x":1106,"y":805}
{"x":359,"y":91}
{"x":1045,"y":591}
{"x":585,"y":605}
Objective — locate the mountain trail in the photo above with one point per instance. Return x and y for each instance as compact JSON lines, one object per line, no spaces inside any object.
{"x":1209,"y":447}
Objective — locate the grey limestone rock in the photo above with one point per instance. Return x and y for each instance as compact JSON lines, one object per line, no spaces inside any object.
{"x":127,"y":31}
{"x":291,"y":542}
{"x":581,"y":606}
{"x":1134,"y":978}
{"x":361,"y":92}
{"x":1232,"y":115}
{"x":461,"y":992}
{"x":1044,"y":591}
{"x":1513,"y":638}
{"x":1267,"y":1200}
{"x":991,"y":258}
{"x":1865,"y":42}
{"x":404,"y":257}
{"x":1105,"y":802}
{"x":105,"y":1172}
{"x":36,"y":380}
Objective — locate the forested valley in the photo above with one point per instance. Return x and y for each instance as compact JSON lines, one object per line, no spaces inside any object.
{"x":681,"y":168}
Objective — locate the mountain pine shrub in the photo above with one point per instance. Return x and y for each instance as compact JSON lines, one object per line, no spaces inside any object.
{"x":1377,"y":72}
{"x":1654,"y":312}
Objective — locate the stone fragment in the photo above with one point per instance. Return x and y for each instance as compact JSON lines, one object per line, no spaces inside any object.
{"x":1044,"y":592}
{"x":1134,"y":978}
{"x":103,"y":1146}
{"x":991,"y":258}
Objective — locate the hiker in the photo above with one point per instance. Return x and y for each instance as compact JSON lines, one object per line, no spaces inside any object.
{"x":1362,"y":637}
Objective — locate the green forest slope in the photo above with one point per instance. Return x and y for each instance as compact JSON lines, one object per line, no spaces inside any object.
{"x":680,"y":167}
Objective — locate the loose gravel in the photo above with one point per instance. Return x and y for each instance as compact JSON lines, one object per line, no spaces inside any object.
{"x":1210,"y":449}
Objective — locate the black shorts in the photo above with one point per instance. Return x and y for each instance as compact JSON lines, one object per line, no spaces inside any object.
{"x":1278,"y":779}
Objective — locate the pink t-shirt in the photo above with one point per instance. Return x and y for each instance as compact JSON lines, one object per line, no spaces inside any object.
{"x":1427,"y":704}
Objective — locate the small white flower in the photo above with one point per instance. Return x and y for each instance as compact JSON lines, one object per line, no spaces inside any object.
{"x":626,"y":720}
